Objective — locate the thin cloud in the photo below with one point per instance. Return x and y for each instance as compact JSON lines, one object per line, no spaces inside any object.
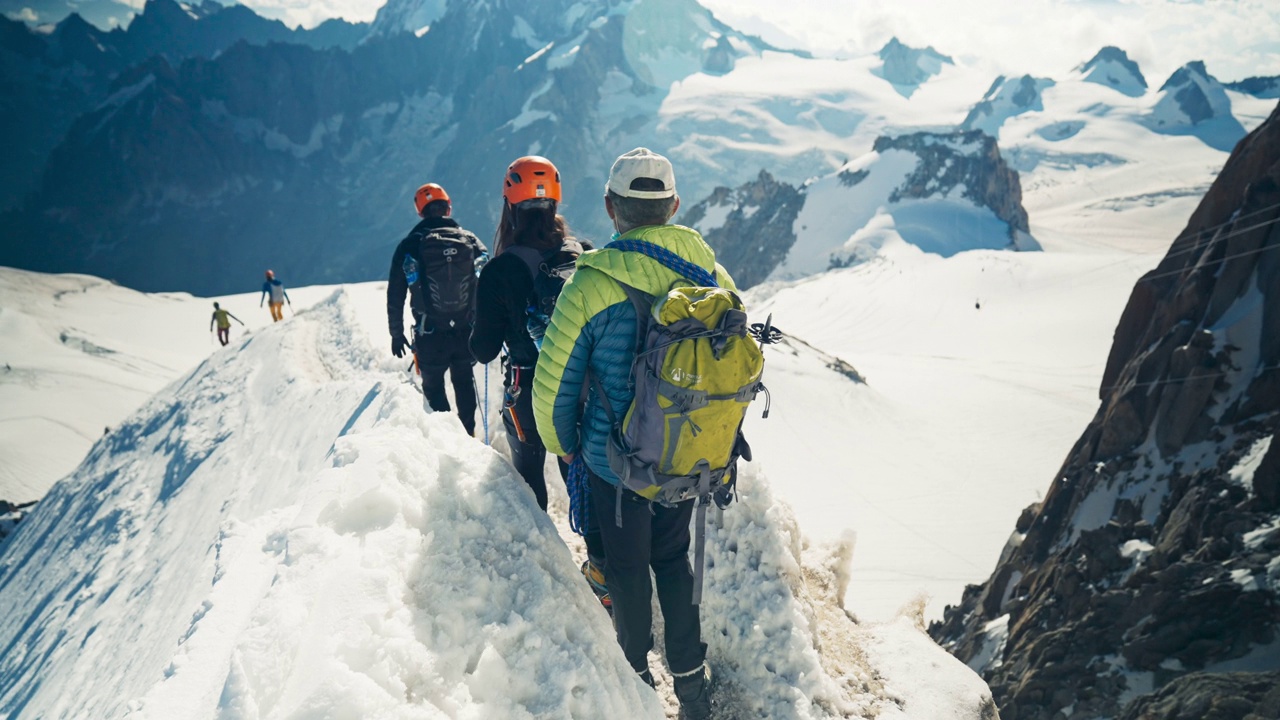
{"x":1043,"y":37}
{"x":26,"y":15}
{"x":309,"y":14}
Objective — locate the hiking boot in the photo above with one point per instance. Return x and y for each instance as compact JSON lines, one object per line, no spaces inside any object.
{"x":595,"y":579}
{"x":693,"y":690}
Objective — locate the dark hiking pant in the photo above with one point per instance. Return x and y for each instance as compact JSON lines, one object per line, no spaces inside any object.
{"x":657,"y":540}
{"x":224,"y":336}
{"x":440,"y":351}
{"x":528,"y":453}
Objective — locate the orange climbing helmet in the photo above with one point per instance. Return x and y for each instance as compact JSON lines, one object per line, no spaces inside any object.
{"x":531,"y":178}
{"x":428,"y":194}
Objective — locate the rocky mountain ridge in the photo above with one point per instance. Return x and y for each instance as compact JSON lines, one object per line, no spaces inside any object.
{"x":756,"y":227}
{"x":1260,"y":87}
{"x":276,"y":170}
{"x":1006,"y":98}
{"x":1147,"y":582}
{"x":303,"y":160}
{"x":53,"y":78}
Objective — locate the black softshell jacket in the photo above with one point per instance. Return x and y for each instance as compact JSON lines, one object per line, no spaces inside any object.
{"x":502,"y":299}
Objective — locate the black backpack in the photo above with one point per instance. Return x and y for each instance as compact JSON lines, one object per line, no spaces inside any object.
{"x":447,"y":276}
{"x":550,"y":270}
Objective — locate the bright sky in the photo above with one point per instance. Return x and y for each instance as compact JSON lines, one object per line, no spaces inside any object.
{"x":1235,"y":38}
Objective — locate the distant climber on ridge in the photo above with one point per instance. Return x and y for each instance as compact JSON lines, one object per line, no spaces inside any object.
{"x":437,"y":264}
{"x":222,"y":318}
{"x":275,"y":289}
{"x":534,"y":253}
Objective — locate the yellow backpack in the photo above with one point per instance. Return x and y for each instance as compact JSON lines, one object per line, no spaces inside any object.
{"x":696,"y":369}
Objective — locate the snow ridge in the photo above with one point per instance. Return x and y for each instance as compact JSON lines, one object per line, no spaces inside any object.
{"x":284,"y":532}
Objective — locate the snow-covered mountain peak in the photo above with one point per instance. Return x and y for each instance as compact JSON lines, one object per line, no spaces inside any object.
{"x":415,"y":16}
{"x":1193,"y":71}
{"x":1193,"y":102}
{"x":939,"y":193}
{"x":1006,"y":98}
{"x":1113,"y":68}
{"x":907,"y":68}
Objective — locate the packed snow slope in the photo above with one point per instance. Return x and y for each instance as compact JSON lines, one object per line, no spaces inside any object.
{"x":283,"y":532}
{"x":964,"y":412}
{"x":978,"y":367}
{"x":79,"y":354}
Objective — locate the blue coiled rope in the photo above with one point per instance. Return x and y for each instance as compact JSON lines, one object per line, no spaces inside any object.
{"x":578,"y":495}
{"x":677,"y":264}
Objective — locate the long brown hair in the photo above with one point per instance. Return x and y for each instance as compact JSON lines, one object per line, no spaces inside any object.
{"x":536,"y":227}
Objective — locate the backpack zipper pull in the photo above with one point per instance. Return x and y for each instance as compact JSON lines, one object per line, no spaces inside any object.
{"x":768,"y":400}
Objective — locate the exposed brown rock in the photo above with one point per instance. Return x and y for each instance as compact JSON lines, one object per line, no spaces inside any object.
{"x":1150,"y":558}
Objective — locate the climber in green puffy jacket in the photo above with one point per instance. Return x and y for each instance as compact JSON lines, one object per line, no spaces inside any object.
{"x":594,"y":328}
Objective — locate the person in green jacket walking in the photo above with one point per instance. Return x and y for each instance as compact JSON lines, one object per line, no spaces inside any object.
{"x":592,"y":331}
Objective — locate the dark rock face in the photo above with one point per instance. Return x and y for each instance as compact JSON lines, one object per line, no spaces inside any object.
{"x":1212,"y":696}
{"x":971,"y":159}
{"x":758,"y":229}
{"x":51,"y":80}
{"x":1155,"y":555}
{"x":10,"y":516}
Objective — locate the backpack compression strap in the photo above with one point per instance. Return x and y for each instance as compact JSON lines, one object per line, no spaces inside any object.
{"x":672,"y":261}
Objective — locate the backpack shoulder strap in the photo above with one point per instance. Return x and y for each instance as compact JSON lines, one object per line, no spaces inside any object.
{"x":532,"y":258}
{"x":672,"y":261}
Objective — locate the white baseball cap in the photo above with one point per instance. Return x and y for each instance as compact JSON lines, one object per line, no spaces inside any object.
{"x":641,"y":163}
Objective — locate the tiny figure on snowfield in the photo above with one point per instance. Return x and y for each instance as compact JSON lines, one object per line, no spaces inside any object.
{"x":274,"y":289}
{"x":222,"y":318}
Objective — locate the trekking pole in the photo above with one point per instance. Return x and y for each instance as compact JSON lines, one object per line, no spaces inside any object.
{"x":484,"y":415}
{"x":766,"y":334}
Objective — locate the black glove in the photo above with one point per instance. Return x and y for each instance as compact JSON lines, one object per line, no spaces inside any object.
{"x":398,"y":344}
